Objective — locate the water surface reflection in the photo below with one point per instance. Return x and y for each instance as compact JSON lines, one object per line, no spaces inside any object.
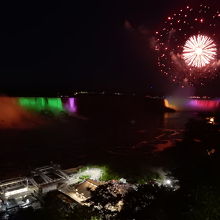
{"x":117,"y":133}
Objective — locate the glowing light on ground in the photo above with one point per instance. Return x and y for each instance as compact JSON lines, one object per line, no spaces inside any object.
{"x":211,"y":120}
{"x":167,"y":182}
{"x":93,"y":173}
{"x":199,"y":51}
{"x":89,"y":173}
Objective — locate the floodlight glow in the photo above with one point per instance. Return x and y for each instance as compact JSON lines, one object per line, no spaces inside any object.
{"x":168,"y":182}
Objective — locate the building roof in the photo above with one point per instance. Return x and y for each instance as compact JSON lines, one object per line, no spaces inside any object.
{"x":85,"y":187}
{"x":72,"y":170}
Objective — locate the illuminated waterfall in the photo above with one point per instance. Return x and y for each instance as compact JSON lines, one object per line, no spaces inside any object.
{"x":55,"y":105}
{"x":70,"y":105}
{"x":41,"y":104}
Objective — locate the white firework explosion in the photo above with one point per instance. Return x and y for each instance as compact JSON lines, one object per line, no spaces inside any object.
{"x":199,"y":51}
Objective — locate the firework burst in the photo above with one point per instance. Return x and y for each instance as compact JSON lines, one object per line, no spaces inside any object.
{"x":199,"y":51}
{"x":187,"y":45}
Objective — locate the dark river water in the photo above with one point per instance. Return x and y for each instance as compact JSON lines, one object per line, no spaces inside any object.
{"x":77,"y":131}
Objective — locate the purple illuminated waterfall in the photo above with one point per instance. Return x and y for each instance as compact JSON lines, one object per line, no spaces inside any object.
{"x":204,"y":105}
{"x":70,"y":105}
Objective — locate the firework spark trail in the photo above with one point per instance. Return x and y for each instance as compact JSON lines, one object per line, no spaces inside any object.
{"x":199,"y":51}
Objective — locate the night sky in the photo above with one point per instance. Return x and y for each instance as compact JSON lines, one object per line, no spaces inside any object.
{"x":89,"y":45}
